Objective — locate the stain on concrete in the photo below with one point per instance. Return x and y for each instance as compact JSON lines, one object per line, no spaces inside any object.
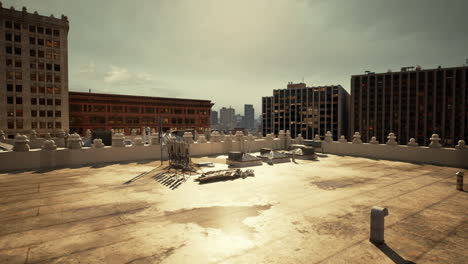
{"x":228,"y":219}
{"x":340,"y":183}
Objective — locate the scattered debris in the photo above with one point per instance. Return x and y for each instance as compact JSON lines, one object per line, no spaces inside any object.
{"x":224,"y":175}
{"x":205,"y":164}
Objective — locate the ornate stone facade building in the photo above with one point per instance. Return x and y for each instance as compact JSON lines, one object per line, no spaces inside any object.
{"x":33,"y":72}
{"x":306,"y":110}
{"x":123,"y":113}
{"x":413,"y":103}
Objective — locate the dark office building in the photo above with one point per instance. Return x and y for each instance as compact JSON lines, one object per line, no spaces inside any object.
{"x":412,"y":103}
{"x":306,"y":110}
{"x":249,"y":116}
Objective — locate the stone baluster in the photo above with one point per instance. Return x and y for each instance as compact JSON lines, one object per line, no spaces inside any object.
{"x":60,"y":139}
{"x":412,"y":143}
{"x":250,"y":137}
{"x":118,"y":140}
{"x":357,"y":138}
{"x":188,"y":137}
{"x":138,"y":141}
{"x":74,"y":141}
{"x":461,"y":145}
{"x":300,"y":139}
{"x":317,"y":138}
{"x":391,"y":140}
{"x":21,"y":143}
{"x":342,"y":139}
{"x":328,"y":137}
{"x":239,"y":136}
{"x":155,"y":138}
{"x":201,"y":138}
{"x":97,"y":143}
{"x":2,"y":135}
{"x":374,"y":140}
{"x":49,"y":144}
{"x":435,"y":141}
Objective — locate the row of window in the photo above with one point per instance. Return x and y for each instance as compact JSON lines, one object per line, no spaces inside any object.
{"x":34,"y":89}
{"x":34,"y":101}
{"x":33,"y":65}
{"x":49,"y":54}
{"x":133,"y":109}
{"x":35,"y":113}
{"x":34,"y":125}
{"x":34,"y":76}
{"x":33,"y":28}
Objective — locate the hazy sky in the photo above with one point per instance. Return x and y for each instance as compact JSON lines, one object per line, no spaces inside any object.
{"x":234,"y":52}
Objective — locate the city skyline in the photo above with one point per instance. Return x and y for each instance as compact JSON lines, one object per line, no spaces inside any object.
{"x":182,"y":47}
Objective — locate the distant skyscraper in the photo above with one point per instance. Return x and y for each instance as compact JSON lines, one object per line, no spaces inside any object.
{"x":226,"y":116}
{"x":249,"y":116}
{"x":214,"y":118}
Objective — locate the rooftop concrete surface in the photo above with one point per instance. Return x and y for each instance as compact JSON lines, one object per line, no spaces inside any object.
{"x":304,"y":212}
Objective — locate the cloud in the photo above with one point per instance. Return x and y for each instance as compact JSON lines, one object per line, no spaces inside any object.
{"x":122,"y":76}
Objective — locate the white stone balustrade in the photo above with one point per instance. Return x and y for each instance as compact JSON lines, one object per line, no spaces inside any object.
{"x":21,"y":143}
{"x":138,"y":142}
{"x":154,"y":138}
{"x":461,"y":145}
{"x":188,"y":137}
{"x":391,"y":139}
{"x":412,"y":143}
{"x":49,"y":145}
{"x":97,"y":143}
{"x":201,"y":139}
{"x":118,"y":140}
{"x":328,"y":137}
{"x":2,"y":135}
{"x":74,"y":141}
{"x":342,"y":139}
{"x":435,"y":141}
{"x":317,"y":138}
{"x":374,"y":140}
{"x":357,"y":138}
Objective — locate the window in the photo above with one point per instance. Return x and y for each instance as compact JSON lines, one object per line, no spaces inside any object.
{"x":56,"y":32}
{"x":41,"y":101}
{"x":9,"y":50}
{"x":56,"y":55}
{"x":8,"y":36}
{"x":48,"y":31}
{"x":9,"y":62}
{"x":41,"y":76}
{"x":33,"y":88}
{"x":40,"y":30}
{"x":17,"y":26}
{"x":58,"y":102}
{"x":56,"y":78}
{"x":19,"y":100}
{"x":58,"y":114}
{"x":32,"y":65}
{"x":99,"y":108}
{"x":41,"y":113}
{"x":34,"y":125}
{"x":40,"y":42}
{"x":17,"y":51}
{"x":32,"y":40}
{"x":50,"y":102}
{"x":42,"y":125}
{"x":56,"y":44}
{"x":18,"y":64}
{"x":149,"y":110}
{"x":49,"y":54}
{"x":34,"y":101}
{"x":49,"y":77}
{"x":18,"y":75}
{"x":50,"y":113}
{"x":11,"y":124}
{"x":41,"y":89}
{"x":49,"y":66}
{"x":32,"y":28}
{"x":10,"y":112}
{"x":9,"y":75}
{"x":9,"y":87}
{"x":56,"y":67}
{"x":17,"y":38}
{"x":19,"y":88}
{"x":40,"y":53}
{"x":32,"y":52}
{"x":49,"y":125}
{"x":19,"y":123}
{"x":134,"y":109}
{"x":75,"y":108}
{"x":58,"y":90}
{"x":49,"y":89}
{"x":33,"y":113}
{"x":33,"y":76}
{"x":40,"y":65}
{"x":8,"y":24}
{"x":58,"y":125}
{"x":19,"y":112}
{"x":49,"y":43}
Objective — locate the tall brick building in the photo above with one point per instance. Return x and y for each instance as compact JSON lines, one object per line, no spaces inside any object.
{"x":412,"y":103}
{"x":33,"y":72}
{"x":123,"y":113}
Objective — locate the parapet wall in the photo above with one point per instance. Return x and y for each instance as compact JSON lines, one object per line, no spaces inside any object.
{"x":76,"y":155}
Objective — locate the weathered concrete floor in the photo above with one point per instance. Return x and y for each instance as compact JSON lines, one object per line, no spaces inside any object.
{"x":310,"y":212}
